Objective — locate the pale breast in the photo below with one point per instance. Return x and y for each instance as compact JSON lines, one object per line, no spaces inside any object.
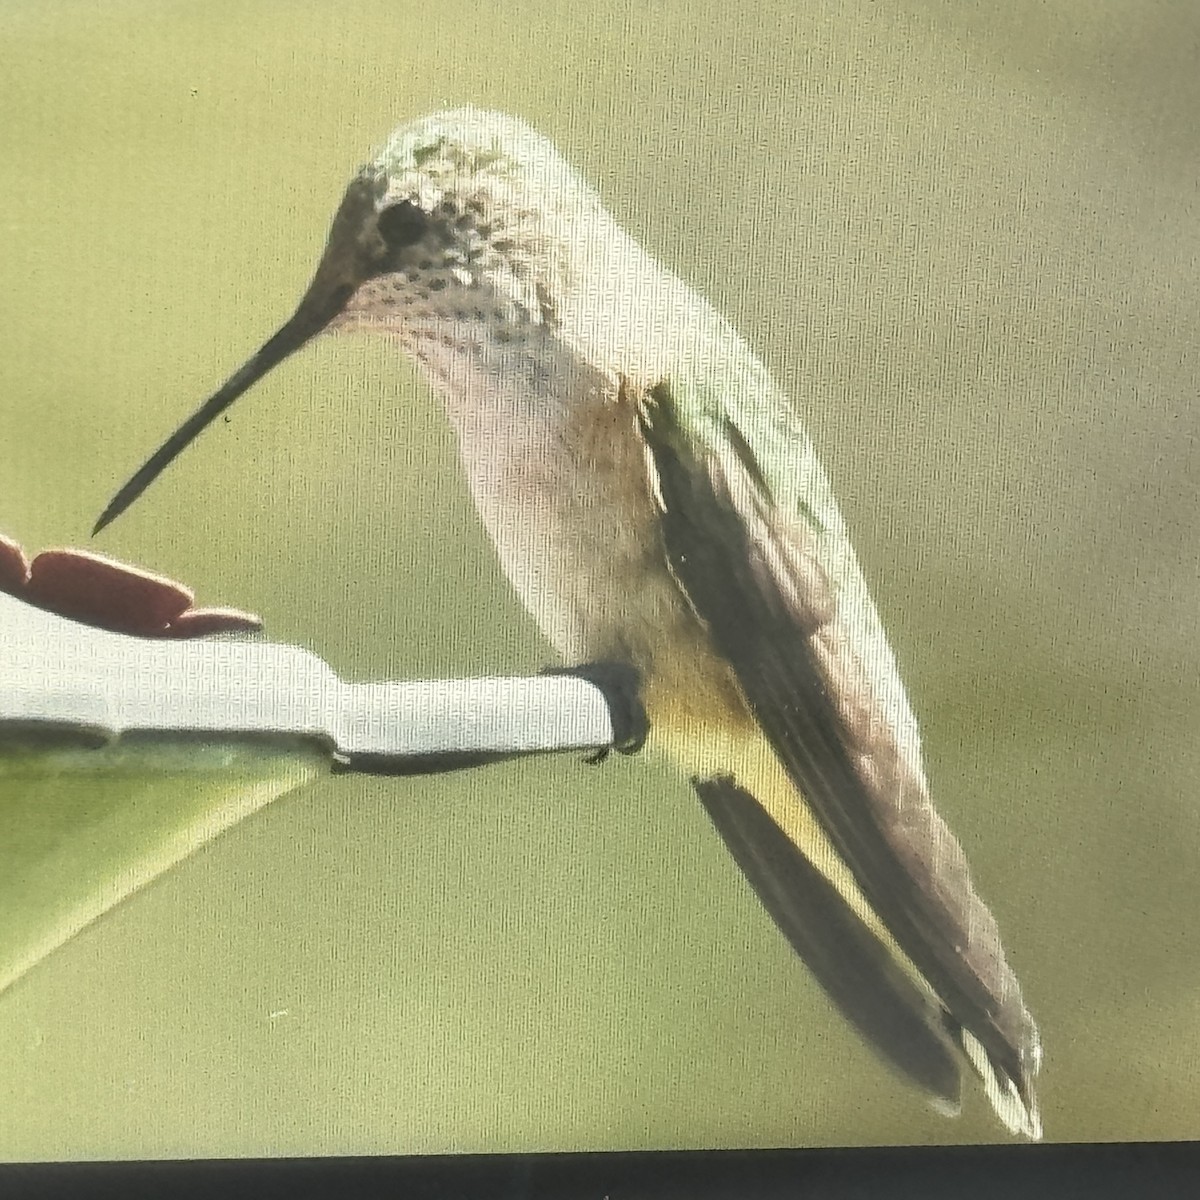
{"x":553,"y":458}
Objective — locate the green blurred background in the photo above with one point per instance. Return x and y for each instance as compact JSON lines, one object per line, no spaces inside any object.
{"x":964,"y":236}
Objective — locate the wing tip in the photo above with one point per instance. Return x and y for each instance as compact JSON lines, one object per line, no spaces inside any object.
{"x":1013,"y":1100}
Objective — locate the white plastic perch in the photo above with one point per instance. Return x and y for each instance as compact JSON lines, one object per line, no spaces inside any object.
{"x":61,"y":680}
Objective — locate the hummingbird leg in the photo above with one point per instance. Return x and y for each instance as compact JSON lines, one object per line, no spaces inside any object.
{"x":620,"y":684}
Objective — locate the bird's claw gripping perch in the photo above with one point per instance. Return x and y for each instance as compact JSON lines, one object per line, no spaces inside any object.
{"x":621,"y":685}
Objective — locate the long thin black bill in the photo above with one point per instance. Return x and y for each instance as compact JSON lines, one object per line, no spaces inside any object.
{"x":348,"y":258}
{"x":302,"y":326}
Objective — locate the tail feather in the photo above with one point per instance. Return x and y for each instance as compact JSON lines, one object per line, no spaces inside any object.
{"x":900,"y":1019}
{"x":874,"y":987}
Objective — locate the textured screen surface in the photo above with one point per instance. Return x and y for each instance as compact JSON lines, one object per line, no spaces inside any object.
{"x":964,"y":240}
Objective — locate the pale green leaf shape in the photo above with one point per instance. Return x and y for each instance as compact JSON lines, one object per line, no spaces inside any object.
{"x":85,"y":828}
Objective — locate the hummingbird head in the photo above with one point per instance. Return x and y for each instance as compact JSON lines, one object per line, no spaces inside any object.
{"x":461,"y":227}
{"x":472,"y":224}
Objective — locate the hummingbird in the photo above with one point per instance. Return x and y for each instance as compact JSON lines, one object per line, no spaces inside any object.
{"x":655,"y":501}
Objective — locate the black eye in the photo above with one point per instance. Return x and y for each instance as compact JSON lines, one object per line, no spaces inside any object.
{"x":402,"y":224}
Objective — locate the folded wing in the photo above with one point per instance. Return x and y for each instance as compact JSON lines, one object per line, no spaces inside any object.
{"x":754,"y":572}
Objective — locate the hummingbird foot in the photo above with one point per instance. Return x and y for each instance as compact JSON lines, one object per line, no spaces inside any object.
{"x":620,"y":684}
